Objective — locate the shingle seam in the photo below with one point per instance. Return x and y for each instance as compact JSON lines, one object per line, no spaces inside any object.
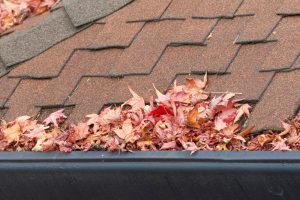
{"x":245,"y":15}
{"x":266,"y":86}
{"x":233,"y":58}
{"x":152,"y":19}
{"x":10,"y":94}
{"x":292,"y":14}
{"x":3,"y":70}
{"x":173,"y":18}
{"x":274,"y":27}
{"x":214,"y":17}
{"x":238,"y":7}
{"x":48,"y":77}
{"x":262,"y":40}
{"x":144,"y":20}
{"x":227,"y":65}
{"x":158,"y":20}
{"x":186,"y":43}
{"x":95,"y":47}
{"x":247,"y":42}
{"x":211,"y":30}
{"x":292,"y":66}
{"x":261,"y":95}
{"x":283,"y":68}
{"x":166,"y":8}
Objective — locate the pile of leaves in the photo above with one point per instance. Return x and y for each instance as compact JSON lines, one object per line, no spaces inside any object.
{"x":14,"y":12}
{"x":185,"y":118}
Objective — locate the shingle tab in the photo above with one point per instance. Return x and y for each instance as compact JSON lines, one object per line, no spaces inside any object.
{"x":281,"y":100}
{"x":20,"y":46}
{"x":83,"y":12}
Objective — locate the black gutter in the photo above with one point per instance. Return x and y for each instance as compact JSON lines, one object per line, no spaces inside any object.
{"x":150,"y":175}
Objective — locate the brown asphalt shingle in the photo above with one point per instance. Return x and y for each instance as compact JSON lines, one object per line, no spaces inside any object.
{"x":279,"y":101}
{"x":251,"y":47}
{"x":262,"y":22}
{"x":59,"y":55}
{"x":244,"y":76}
{"x":287,"y":46}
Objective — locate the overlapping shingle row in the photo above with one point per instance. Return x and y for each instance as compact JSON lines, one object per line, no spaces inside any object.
{"x":248,"y":46}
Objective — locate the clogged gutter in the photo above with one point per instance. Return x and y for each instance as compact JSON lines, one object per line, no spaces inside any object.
{"x":13,"y":12}
{"x":185,"y":118}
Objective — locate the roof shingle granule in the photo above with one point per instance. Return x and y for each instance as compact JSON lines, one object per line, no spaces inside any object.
{"x":250,"y":46}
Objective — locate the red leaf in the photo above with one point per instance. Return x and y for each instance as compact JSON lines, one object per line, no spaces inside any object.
{"x":160,"y":110}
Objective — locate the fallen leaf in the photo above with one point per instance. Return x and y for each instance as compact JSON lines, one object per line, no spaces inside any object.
{"x":125,"y":130}
{"x":243,"y":110}
{"x":12,"y":134}
{"x":192,"y":118}
{"x":160,"y":110}
{"x":169,"y":145}
{"x":281,"y":146}
{"x":55,"y":118}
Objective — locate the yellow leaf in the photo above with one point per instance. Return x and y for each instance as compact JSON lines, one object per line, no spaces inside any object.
{"x":12,"y":134}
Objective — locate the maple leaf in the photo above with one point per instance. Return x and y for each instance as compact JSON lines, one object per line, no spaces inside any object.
{"x":125,"y":130}
{"x":264,"y":138}
{"x":169,"y":145}
{"x":224,"y":118}
{"x":243,"y":110}
{"x":189,"y":146}
{"x":81,"y":132}
{"x":160,"y":110}
{"x":109,"y":115}
{"x":12,"y":134}
{"x":136,"y":102}
{"x":192,"y":118}
{"x":194,"y":88}
{"x":36,"y":132}
{"x":161,"y":98}
{"x":281,"y":146}
{"x":287,"y":128}
{"x":55,"y":118}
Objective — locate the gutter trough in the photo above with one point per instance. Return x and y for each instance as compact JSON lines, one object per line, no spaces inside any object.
{"x":150,"y":175}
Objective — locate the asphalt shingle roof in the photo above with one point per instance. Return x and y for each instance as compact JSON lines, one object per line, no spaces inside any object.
{"x":247,"y":46}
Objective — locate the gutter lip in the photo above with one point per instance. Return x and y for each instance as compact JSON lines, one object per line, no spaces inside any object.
{"x":152,"y":156}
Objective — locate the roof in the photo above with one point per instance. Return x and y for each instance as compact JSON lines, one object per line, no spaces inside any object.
{"x":82,"y":56}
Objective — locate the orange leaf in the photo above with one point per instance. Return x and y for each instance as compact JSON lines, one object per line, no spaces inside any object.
{"x":192,"y":118}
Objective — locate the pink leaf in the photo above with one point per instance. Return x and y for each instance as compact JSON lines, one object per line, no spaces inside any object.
{"x":169,"y":145}
{"x":55,"y":118}
{"x":243,"y":110}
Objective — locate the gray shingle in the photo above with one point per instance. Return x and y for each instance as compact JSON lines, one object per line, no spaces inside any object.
{"x":86,"y":11}
{"x":20,"y":46}
{"x":2,"y":69}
